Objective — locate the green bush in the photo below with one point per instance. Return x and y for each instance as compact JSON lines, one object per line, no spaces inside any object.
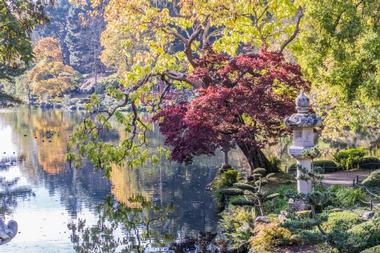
{"x":226,"y":179}
{"x":237,"y":225}
{"x":340,"y":221}
{"x":268,"y":236}
{"x":373,"y":179}
{"x":326,"y":165}
{"x":349,"y":158}
{"x":347,"y":197}
{"x":274,"y":164}
{"x":349,"y":237}
{"x":362,"y":236}
{"x":369,"y":163}
{"x":223,"y":180}
{"x":292,"y":168}
{"x":281,"y":202}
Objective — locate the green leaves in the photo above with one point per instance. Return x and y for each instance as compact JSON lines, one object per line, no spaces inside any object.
{"x":340,"y":55}
{"x":15,"y":31}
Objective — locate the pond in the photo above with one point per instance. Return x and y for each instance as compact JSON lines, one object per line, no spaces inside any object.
{"x":62,"y":194}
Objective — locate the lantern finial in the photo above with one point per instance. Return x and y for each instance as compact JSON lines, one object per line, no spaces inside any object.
{"x":302,"y":103}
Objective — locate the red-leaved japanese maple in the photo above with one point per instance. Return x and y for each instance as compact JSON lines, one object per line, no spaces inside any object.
{"x":239,"y":101}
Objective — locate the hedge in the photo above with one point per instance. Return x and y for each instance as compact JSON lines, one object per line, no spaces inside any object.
{"x":326,"y":165}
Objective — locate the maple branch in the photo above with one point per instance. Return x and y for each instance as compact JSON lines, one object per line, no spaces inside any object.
{"x":179,"y":76}
{"x":188,"y":50}
{"x":136,"y":119}
{"x":205,"y":37}
{"x":165,"y":91}
{"x":126,"y":100}
{"x":260,"y":28}
{"x":295,"y":32}
{"x":188,"y":41}
{"x":263,"y":12}
{"x":339,"y":17}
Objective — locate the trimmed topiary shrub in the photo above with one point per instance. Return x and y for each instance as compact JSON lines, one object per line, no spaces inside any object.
{"x":224,"y":179}
{"x":373,"y":179}
{"x":349,"y":158}
{"x":369,"y":163}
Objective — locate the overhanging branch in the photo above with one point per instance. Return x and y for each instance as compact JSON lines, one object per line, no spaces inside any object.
{"x":295,"y":32}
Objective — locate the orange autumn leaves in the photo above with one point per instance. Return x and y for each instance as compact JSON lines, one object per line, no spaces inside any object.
{"x":50,"y":76}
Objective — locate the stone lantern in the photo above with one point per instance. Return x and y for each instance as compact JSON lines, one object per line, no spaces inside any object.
{"x":303,"y":123}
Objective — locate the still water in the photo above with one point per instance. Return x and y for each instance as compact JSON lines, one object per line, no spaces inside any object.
{"x":62,"y":194}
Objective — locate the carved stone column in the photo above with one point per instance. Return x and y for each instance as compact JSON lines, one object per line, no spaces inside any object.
{"x":303,"y":147}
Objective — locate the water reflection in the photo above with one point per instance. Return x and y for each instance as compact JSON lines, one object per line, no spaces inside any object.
{"x":62,"y":194}
{"x":137,"y":220}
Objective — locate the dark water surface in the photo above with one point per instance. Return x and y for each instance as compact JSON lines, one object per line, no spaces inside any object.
{"x":63,"y":194}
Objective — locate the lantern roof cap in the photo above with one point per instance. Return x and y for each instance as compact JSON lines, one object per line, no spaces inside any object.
{"x":304,"y":118}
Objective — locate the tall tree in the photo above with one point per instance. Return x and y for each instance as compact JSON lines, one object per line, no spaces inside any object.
{"x":342,"y":62}
{"x":345,"y":124}
{"x":346,"y":50}
{"x":84,"y":27}
{"x":57,"y":25}
{"x":50,"y":76}
{"x":77,"y":28}
{"x":242,"y":100}
{"x":17,"y":20}
{"x":160,"y":43}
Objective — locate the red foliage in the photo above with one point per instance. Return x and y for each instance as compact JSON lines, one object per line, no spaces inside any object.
{"x":240,"y":103}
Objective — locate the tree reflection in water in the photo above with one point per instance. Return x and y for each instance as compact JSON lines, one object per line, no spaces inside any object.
{"x":129,"y":228}
{"x":10,"y":193}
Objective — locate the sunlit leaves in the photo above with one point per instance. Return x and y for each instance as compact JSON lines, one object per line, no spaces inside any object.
{"x":354,"y":123}
{"x":139,"y":30}
{"x":346,"y":51}
{"x":159,"y":43}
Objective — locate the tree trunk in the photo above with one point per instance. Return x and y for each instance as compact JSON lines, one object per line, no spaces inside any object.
{"x":226,"y":160}
{"x":256,"y":158}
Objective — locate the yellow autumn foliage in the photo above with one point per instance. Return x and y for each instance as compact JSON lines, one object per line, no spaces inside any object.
{"x":50,"y":76}
{"x":47,"y":48}
{"x":143,"y":36}
{"x":268,"y":236}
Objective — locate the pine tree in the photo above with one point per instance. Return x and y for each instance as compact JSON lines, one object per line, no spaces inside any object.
{"x":83,"y":40}
{"x":78,"y":34}
{"x":56,"y":27}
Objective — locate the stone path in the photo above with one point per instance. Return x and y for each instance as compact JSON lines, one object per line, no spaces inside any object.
{"x":344,"y":177}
